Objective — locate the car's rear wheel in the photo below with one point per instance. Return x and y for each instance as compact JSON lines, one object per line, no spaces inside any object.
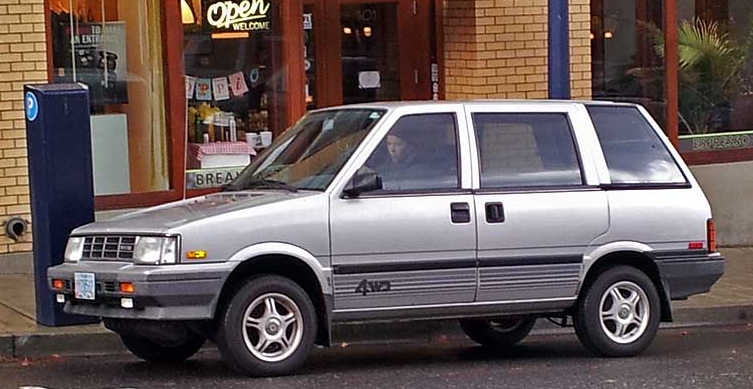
{"x":498,"y":332}
{"x":151,"y":351}
{"x":619,"y":313}
{"x":268,"y":328}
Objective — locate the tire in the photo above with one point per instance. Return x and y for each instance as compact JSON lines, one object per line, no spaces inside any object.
{"x":498,"y":332}
{"x":289,"y":329}
{"x":627,"y":328}
{"x":155,"y":353}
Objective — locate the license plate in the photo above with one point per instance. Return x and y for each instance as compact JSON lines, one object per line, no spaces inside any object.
{"x":84,"y":286}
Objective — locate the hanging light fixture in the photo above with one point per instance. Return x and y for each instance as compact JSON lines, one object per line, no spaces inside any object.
{"x":187,"y":13}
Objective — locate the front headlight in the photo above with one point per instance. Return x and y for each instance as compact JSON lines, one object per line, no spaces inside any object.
{"x":74,"y":250}
{"x":152,"y":250}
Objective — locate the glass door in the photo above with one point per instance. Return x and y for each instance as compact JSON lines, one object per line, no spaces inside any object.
{"x":381,"y":51}
{"x":370,"y":52}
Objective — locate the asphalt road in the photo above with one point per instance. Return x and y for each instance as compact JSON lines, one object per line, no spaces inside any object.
{"x":708,"y":358}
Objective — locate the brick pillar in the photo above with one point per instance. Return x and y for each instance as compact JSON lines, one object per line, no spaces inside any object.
{"x":497,"y":49}
{"x":23,"y":60}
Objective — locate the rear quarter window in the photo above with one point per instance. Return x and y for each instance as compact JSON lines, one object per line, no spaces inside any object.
{"x":634,"y":152}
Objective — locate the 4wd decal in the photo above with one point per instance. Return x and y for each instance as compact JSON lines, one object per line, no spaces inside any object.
{"x":366,"y":287}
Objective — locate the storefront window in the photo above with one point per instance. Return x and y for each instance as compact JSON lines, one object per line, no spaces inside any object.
{"x":715,"y":47}
{"x":115,"y":48}
{"x":233,"y":64}
{"x":626,"y":63}
{"x":715,"y":70}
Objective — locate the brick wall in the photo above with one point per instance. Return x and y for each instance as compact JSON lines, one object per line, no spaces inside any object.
{"x":22,"y":61}
{"x":580,"y":49}
{"x":498,"y":49}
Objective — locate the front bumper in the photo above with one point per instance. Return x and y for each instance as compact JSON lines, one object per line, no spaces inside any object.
{"x":175,"y":292}
{"x":688,"y":275}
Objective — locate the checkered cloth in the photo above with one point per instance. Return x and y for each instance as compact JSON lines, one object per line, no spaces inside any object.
{"x":197,"y":151}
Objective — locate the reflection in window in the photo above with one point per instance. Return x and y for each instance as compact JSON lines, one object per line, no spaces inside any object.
{"x":233,"y":68}
{"x":526,"y":150}
{"x":633,"y":151}
{"x":715,"y":49}
{"x":115,"y":48}
{"x":625,"y":62}
{"x":311,"y":153}
{"x":716,"y":71}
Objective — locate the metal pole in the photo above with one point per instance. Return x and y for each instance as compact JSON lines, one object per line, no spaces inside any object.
{"x":559,"y":50}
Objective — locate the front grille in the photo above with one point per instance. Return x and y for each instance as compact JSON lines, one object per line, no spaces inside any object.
{"x":103,"y":248}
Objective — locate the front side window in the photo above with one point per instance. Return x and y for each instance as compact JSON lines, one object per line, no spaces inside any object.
{"x":526,"y":150}
{"x":419,"y":153}
{"x":633,"y":151}
{"x":311,"y":153}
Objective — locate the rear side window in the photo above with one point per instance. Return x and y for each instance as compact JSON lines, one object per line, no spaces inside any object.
{"x":633,"y":151}
{"x":526,"y":150}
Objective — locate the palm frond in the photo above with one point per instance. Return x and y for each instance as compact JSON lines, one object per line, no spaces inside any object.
{"x":702,"y":41}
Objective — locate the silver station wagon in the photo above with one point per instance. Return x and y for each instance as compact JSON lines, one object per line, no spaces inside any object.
{"x":493,"y":213}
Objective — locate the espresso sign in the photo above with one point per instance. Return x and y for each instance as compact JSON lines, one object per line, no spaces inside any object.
{"x":738,"y":140}
{"x":245,"y":15}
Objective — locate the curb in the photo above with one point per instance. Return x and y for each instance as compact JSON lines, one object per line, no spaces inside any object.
{"x":416,"y":332}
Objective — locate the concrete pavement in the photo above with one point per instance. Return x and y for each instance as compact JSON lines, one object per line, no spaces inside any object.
{"x":730,"y":302}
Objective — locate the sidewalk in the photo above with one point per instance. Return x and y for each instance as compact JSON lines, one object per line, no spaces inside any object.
{"x":731,"y":301}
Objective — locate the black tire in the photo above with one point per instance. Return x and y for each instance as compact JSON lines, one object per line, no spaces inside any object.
{"x":498,"y":332}
{"x":155,"y":353}
{"x":231,"y":340}
{"x":588,"y":317}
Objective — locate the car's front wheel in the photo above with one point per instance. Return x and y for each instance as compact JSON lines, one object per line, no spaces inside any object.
{"x":151,"y":351}
{"x":268,"y":328}
{"x":498,"y":332}
{"x":619,"y":313}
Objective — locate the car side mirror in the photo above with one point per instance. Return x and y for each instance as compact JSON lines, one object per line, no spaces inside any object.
{"x":362,"y":183}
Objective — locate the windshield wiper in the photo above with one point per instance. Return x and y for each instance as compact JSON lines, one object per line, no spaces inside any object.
{"x":264,"y":184}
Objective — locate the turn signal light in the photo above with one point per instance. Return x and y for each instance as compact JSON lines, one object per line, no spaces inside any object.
{"x":127,"y":287}
{"x":58,"y":284}
{"x":711,"y":235}
{"x":196,"y":254}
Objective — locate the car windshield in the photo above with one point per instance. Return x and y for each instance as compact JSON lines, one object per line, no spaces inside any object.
{"x":309,"y":154}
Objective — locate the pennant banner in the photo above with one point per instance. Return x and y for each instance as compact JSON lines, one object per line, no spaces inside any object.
{"x":204,"y":89}
{"x":221,"y":89}
{"x":190,"y":87}
{"x":238,"y":84}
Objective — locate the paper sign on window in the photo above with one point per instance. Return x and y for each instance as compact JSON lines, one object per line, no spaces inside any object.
{"x":203,"y":89}
{"x":238,"y":84}
{"x":220,"y":88}
{"x":190,"y":87}
{"x":369,"y":80}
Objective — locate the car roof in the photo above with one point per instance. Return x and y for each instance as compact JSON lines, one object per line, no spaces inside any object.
{"x":392,"y":105}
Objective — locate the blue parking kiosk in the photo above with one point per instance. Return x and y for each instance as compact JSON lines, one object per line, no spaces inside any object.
{"x":58,"y":135}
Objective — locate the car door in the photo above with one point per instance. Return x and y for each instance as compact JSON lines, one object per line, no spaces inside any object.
{"x":538,"y":202}
{"x":413,"y":243}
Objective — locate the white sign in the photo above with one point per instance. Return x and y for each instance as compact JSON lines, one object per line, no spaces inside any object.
{"x":308,"y":23}
{"x":369,"y":80}
{"x":190,"y":87}
{"x":220,"y":88}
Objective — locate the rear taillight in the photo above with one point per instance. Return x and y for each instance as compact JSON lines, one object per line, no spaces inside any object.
{"x":711,"y":235}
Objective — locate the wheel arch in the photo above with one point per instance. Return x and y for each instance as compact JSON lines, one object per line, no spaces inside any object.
{"x":290,"y":262}
{"x":633,"y":258}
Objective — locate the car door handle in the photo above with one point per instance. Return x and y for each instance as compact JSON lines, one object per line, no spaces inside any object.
{"x":495,"y":213}
{"x":460,"y":212}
